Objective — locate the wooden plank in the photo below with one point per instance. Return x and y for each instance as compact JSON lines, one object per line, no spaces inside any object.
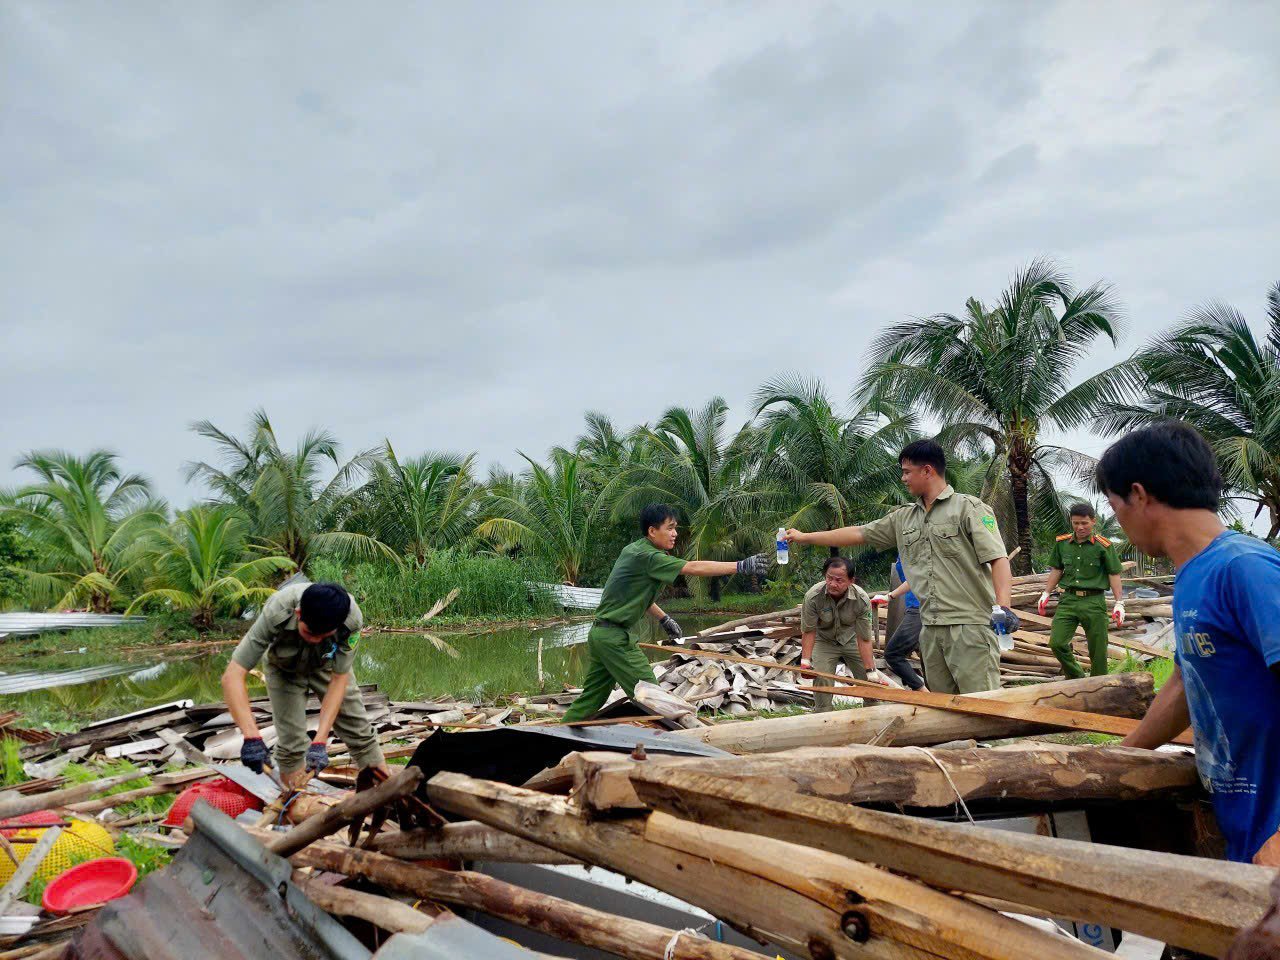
{"x":1125,"y":694}
{"x":1192,"y":902}
{"x":15,"y":805}
{"x":1044,"y":716}
{"x":809,"y":902}
{"x":467,"y":840}
{"x":172,"y":783}
{"x":553,"y":916}
{"x":27,"y":869}
{"x":911,"y":776}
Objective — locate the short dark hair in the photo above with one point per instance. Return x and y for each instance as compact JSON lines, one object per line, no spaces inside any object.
{"x":324,"y":607}
{"x":655,"y":515}
{"x":838,"y":562}
{"x":925,"y":453}
{"x":1171,"y":460}
{"x":1083,"y":510}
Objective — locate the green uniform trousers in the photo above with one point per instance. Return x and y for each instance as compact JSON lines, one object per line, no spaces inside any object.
{"x":826,"y":655}
{"x":613,"y":658}
{"x":960,"y":657}
{"x":289,"y":693}
{"x":1091,"y":613}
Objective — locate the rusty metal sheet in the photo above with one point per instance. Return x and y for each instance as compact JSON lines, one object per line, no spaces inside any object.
{"x":223,"y":896}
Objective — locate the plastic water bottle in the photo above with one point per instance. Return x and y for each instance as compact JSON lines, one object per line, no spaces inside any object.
{"x":784,"y":548}
{"x":1003,"y":638}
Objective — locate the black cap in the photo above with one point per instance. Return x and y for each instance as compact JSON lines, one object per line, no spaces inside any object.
{"x":324,"y":607}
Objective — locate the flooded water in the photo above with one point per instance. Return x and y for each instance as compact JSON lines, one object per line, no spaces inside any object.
{"x":73,"y":689}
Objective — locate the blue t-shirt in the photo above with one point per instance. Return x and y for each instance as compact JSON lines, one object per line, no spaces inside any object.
{"x":1226,"y":610}
{"x":909,"y":598}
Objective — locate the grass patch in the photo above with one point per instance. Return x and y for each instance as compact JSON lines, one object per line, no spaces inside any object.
{"x":489,"y":588}
{"x":11,"y":772}
{"x":1160,"y":668}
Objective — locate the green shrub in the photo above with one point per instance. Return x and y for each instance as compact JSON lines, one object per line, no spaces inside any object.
{"x":489,"y":587}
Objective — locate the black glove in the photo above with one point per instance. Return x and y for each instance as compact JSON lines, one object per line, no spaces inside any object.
{"x":317,"y":757}
{"x":254,"y":753}
{"x":1007,"y":617}
{"x":669,"y":624}
{"x":755,"y":566}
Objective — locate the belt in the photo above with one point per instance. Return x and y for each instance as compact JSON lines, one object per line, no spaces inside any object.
{"x":609,"y":623}
{"x":1085,"y":593}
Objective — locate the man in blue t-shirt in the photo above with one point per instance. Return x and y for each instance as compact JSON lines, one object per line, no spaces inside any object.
{"x":1164,"y":486}
{"x":906,"y":636}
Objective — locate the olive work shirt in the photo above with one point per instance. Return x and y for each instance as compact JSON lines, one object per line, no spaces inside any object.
{"x":275,"y":635}
{"x":638,"y":575}
{"x":945,"y":552}
{"x":1085,"y":565}
{"x":836,"y":619}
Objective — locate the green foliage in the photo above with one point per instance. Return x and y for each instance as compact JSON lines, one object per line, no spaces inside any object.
{"x":201,"y":566}
{"x":488,"y":586}
{"x":147,"y":857}
{"x":85,"y":522}
{"x":1212,"y":372}
{"x":996,"y":376}
{"x":15,"y":553}
{"x":11,"y":772}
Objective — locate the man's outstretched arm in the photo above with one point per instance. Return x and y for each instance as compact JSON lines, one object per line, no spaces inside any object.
{"x":843,"y":537}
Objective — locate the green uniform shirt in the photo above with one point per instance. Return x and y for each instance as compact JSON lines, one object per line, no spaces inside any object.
{"x":1084,"y":566}
{"x":275,"y":634}
{"x":836,"y":619}
{"x":944,"y":554}
{"x":639,"y":573}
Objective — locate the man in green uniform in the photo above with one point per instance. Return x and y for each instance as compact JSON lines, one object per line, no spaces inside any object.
{"x":643,"y":568}
{"x":835,"y":628}
{"x":956,"y":564}
{"x":307,"y":632}
{"x":1083,"y":563}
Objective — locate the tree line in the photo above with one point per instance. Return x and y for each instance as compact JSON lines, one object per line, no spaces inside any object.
{"x":989,"y":382}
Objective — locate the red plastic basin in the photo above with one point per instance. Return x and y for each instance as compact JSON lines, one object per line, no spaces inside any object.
{"x":88,"y":883}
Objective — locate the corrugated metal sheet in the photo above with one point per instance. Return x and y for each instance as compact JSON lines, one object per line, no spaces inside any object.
{"x":19,"y":624}
{"x":44,"y":679}
{"x":451,"y":938}
{"x":223,"y":896}
{"x":571,"y":598}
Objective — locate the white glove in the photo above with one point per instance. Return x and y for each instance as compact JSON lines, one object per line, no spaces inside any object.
{"x":1043,"y":603}
{"x":875,"y":676}
{"x":1117,"y":614}
{"x":880,"y":599}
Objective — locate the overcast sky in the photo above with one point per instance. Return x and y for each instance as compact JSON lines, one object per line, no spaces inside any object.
{"x":462,"y":225}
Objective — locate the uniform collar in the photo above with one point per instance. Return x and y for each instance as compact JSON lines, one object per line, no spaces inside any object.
{"x":1093,"y":538}
{"x":947,"y":491}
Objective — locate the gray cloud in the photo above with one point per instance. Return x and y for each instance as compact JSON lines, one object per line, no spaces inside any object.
{"x":461,"y":227}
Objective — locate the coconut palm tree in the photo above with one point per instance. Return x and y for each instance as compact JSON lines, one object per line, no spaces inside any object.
{"x":999,"y":375}
{"x":292,"y":510}
{"x":1212,"y":372}
{"x":834,"y":469}
{"x":202,"y":564}
{"x":548,"y":512}
{"x":420,"y":504}
{"x":85,"y":521}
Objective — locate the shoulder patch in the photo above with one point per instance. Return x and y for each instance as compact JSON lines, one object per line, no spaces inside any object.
{"x":1102,"y":540}
{"x":1065,"y":536}
{"x":989,"y":522}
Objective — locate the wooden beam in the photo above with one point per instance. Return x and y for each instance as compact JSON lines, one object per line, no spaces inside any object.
{"x":809,"y":902}
{"x":334,"y":818}
{"x":910,"y":776}
{"x":1124,"y":694}
{"x":467,"y":840}
{"x":15,"y":805}
{"x":1051,"y":717}
{"x":382,"y":912}
{"x":171,"y":785}
{"x":1191,"y":902}
{"x":542,"y":912}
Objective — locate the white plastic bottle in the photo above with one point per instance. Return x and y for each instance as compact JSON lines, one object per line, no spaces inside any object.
{"x":1003,"y":637}
{"x":784,"y":548}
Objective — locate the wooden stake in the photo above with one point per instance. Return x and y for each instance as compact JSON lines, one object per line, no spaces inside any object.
{"x":382,"y":912}
{"x":1188,"y":901}
{"x":17,"y":805}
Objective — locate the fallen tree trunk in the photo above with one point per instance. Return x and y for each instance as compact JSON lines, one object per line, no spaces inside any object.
{"x":910,"y":776}
{"x":382,"y":912}
{"x":338,"y":816}
{"x":1191,"y":902}
{"x":1117,"y":695}
{"x":546,"y":914}
{"x":465,"y":841}
{"x":814,"y":903}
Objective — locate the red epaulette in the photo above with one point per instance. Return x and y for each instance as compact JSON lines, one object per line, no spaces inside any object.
{"x":1102,"y":540}
{"x":1066,"y":536}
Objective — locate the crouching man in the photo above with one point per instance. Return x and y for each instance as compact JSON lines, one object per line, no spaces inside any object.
{"x":307,"y":632}
{"x":835,"y":628}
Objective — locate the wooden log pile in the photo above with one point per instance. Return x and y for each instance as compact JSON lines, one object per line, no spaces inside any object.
{"x":736,"y":689}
